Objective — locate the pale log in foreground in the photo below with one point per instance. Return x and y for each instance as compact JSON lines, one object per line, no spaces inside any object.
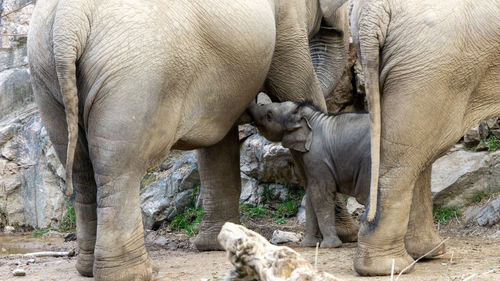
{"x":254,"y":258}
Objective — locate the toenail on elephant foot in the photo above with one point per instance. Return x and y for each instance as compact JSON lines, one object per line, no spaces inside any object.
{"x":369,"y":262}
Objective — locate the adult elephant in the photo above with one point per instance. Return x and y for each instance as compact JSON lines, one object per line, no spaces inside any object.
{"x":120,"y":83}
{"x":432,"y":70}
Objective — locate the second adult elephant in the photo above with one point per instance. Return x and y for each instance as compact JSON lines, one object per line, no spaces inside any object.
{"x":120,"y":83}
{"x":432,"y":70}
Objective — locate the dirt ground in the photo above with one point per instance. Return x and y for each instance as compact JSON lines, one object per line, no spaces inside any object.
{"x":471,"y":252}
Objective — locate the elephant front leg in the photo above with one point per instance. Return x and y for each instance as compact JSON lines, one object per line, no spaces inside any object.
{"x":219,"y":167}
{"x":422,"y":236}
{"x":312,"y":233}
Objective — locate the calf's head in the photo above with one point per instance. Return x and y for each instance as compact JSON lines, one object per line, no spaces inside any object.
{"x":285,"y":122}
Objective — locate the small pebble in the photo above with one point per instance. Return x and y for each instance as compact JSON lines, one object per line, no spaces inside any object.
{"x":19,"y":272}
{"x":17,"y":263}
{"x":30,"y":261}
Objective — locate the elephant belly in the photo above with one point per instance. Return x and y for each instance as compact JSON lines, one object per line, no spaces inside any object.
{"x":193,"y":72}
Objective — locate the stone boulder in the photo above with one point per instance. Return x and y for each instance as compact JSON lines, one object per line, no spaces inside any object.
{"x":489,"y":214}
{"x":171,"y":192}
{"x":267,"y":162}
{"x":459,"y":175}
{"x":31,"y":176}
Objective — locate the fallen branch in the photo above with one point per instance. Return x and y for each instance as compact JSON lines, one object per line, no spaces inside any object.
{"x":15,"y":34}
{"x":254,"y":258}
{"x":69,"y":253}
{"x":16,"y":10}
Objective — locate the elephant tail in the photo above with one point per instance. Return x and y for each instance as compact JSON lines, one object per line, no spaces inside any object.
{"x":70,"y":32}
{"x":372,"y":38}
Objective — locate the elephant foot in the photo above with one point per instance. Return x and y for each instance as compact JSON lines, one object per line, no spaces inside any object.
{"x":331,"y":242}
{"x":372,"y":262}
{"x":423,"y":246}
{"x":85,"y":264}
{"x":310,"y":241}
{"x":348,"y":233}
{"x":140,"y":271}
{"x":206,"y":240}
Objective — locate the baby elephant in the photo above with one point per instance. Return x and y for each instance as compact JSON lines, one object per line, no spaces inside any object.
{"x":334,"y":154}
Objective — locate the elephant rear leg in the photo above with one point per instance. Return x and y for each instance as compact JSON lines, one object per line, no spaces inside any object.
{"x":422,"y":236}
{"x":347,"y":227}
{"x":122,"y":149}
{"x":219,"y":167}
{"x":54,"y":119}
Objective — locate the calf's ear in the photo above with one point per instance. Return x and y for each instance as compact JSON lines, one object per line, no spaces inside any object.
{"x":298,"y":135}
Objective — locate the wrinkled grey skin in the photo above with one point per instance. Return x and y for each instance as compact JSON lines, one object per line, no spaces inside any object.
{"x":431,"y":71}
{"x":334,"y":156}
{"x":120,"y":83}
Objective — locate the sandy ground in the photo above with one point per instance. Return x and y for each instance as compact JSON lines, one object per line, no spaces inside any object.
{"x":473,"y":251}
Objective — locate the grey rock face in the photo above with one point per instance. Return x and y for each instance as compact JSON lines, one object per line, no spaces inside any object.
{"x":31,"y":176}
{"x":489,"y":214}
{"x":171,"y":193}
{"x":267,"y":162}
{"x":459,"y":175}
{"x":485,"y":129}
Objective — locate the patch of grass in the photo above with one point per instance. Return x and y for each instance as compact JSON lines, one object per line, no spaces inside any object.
{"x":287,"y":209}
{"x":190,"y":218}
{"x":40,"y":232}
{"x":479,"y":196}
{"x":443,"y":215}
{"x":280,"y":221}
{"x":68,"y":222}
{"x":188,"y":221}
{"x":295,"y":193}
{"x":147,"y":180}
{"x":491,"y":143}
{"x":250,"y":211}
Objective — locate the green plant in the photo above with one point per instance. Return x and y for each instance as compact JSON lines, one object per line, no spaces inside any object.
{"x":444,"y":214}
{"x":250,"y":211}
{"x":479,"y":196}
{"x":491,"y":143}
{"x":188,"y":221}
{"x":68,"y":222}
{"x":287,"y":209}
{"x":280,"y":220}
{"x":191,"y":217}
{"x":295,"y":193}
{"x":267,"y":194}
{"x":40,"y":232}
